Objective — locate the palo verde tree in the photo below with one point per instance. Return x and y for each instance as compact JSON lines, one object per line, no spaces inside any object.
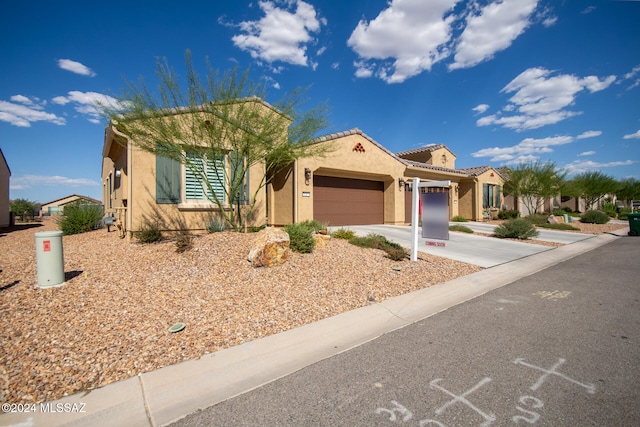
{"x":534,"y":182}
{"x":592,"y":186}
{"x":23,"y":208}
{"x":219,"y":127}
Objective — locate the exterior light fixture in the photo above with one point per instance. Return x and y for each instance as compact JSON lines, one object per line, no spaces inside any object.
{"x":401,"y":183}
{"x":307,"y":175}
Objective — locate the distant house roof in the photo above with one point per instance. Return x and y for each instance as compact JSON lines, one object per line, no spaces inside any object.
{"x":5,"y":161}
{"x":77,"y":196}
{"x":460,"y":172}
{"x":479,"y":170}
{"x":425,"y":149}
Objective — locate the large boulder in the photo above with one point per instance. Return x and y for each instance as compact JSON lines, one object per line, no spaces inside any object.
{"x":321,"y":239}
{"x":270,"y":248}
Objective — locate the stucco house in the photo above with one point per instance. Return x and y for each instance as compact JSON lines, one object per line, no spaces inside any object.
{"x":56,"y":207}
{"x":5,"y":176}
{"x":356,"y":181}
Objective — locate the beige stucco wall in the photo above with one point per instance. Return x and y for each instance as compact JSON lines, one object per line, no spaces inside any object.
{"x":4,"y":192}
{"x":343,"y":161}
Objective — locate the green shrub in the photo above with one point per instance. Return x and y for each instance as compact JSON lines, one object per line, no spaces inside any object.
{"x":376,"y":241}
{"x":559,"y":212}
{"x":516,"y":229}
{"x":610,"y":209}
{"x":343,"y":233}
{"x":149,"y":233}
{"x":216,"y":225}
{"x":567,"y":209}
{"x":509,"y":214}
{"x":623,"y":213}
{"x":560,"y":226}
{"x":594,"y":217}
{"x":301,"y":237}
{"x":79,"y":218}
{"x":313,"y":225}
{"x":461,"y":228}
{"x":459,"y":218}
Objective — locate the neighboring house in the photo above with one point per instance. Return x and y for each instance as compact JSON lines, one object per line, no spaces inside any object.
{"x":56,"y":207}
{"x":5,"y":176}
{"x":356,"y":181}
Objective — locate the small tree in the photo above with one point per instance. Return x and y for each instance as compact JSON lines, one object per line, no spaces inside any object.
{"x":23,"y":208}
{"x":534,"y":183}
{"x":628,"y":190}
{"x":592,"y":186}
{"x":220,"y":118}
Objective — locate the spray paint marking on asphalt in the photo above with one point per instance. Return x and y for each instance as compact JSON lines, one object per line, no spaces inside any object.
{"x":528,"y":406}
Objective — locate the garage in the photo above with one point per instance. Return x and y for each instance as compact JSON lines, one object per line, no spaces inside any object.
{"x":344,"y":201}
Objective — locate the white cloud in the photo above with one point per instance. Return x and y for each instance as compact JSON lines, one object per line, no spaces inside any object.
{"x":492,"y":30}
{"x":411,"y":34}
{"x":87,"y":103}
{"x":541,"y":98}
{"x":281,"y":35}
{"x":587,"y":153}
{"x":29,"y":181}
{"x":527,"y":149}
{"x":580,"y":166}
{"x":589,"y":134}
{"x":335,"y":65}
{"x":24,"y":110}
{"x":480,"y":109}
{"x":75,"y":67}
{"x":632,"y":75}
{"x":635,"y":135}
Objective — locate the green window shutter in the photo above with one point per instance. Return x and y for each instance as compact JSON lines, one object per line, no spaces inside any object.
{"x":485,"y":196}
{"x":193,"y":188}
{"x":167,"y":180}
{"x":491,"y":198}
{"x":498,"y":196}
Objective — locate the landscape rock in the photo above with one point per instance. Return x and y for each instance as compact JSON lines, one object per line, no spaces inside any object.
{"x":321,"y":239}
{"x":270,"y":248}
{"x":552,"y":220}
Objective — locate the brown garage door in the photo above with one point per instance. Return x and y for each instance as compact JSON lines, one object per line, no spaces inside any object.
{"x":342,"y":201}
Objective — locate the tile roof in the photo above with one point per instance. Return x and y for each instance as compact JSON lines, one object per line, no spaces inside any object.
{"x":434,"y":168}
{"x":479,"y":170}
{"x":425,"y":149}
{"x":354,"y":131}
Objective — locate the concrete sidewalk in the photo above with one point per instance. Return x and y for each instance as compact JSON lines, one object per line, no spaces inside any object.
{"x":160,"y":397}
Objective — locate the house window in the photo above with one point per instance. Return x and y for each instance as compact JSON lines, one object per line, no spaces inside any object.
{"x":201,"y":179}
{"x":491,"y":196}
{"x":204,"y":177}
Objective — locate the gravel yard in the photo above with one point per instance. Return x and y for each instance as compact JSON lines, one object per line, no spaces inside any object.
{"x":110,"y":321}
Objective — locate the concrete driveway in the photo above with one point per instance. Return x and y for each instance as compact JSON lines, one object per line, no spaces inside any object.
{"x":478,"y":250}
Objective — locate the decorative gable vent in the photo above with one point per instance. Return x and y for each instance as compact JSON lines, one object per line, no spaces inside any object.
{"x":358,"y":148}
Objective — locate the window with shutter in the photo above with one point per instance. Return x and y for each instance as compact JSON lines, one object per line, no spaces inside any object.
{"x":167,"y":180}
{"x":204,"y":177}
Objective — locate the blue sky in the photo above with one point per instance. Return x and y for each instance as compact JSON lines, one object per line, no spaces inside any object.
{"x":498,"y":82}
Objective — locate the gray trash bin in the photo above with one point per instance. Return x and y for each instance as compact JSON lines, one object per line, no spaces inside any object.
{"x":49,"y":259}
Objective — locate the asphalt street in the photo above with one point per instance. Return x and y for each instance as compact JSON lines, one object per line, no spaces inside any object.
{"x":560,"y":347}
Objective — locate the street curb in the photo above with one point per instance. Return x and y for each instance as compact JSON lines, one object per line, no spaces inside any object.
{"x":168,"y":394}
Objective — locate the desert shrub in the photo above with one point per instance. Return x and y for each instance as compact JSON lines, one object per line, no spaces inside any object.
{"x":184,"y":242}
{"x":216,"y":225}
{"x":610,"y":209}
{"x":560,"y":226}
{"x":301,"y":237}
{"x":396,"y":254}
{"x":461,"y":228}
{"x":459,"y":218}
{"x":313,"y":225}
{"x":623,"y":213}
{"x":79,"y":218}
{"x":559,"y":212}
{"x":566,"y":209}
{"x":149,"y":233}
{"x":376,"y":241}
{"x":516,"y":229}
{"x":594,"y":217}
{"x":343,"y":233}
{"x":508,"y":214}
